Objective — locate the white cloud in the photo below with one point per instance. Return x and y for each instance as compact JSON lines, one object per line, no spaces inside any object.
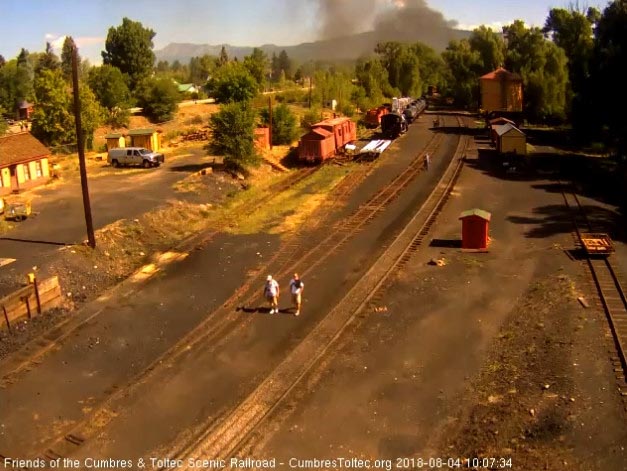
{"x":56,"y":41}
{"x":496,"y":26}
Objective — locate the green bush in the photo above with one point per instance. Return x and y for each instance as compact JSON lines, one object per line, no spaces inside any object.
{"x":284,"y":124}
{"x":159,"y":98}
{"x":312,"y":116}
{"x":233,"y":130}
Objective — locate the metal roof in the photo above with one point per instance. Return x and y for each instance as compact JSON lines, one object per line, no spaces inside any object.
{"x":476,"y":212}
{"x":501,"y":74}
{"x":505,"y":128}
{"x":141,"y":132}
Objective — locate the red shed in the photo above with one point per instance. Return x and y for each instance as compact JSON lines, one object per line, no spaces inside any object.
{"x":317,"y":145}
{"x":475,"y":229}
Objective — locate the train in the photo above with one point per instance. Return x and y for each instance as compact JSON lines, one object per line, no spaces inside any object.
{"x":374,"y":115}
{"x":329,"y":137}
{"x":326,"y":139}
{"x":404,"y":112}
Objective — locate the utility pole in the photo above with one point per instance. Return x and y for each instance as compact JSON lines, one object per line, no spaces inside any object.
{"x":80,"y":139}
{"x":270,"y":130}
{"x":310,"y":85}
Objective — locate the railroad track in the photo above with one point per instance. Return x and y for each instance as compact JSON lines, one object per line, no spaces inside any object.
{"x":224,"y":322}
{"x":226,"y":436}
{"x":608,"y":286}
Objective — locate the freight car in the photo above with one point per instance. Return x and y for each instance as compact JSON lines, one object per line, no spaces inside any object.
{"x":393,"y":125}
{"x":326,"y":139}
{"x":373,"y":116}
{"x":414,"y":110}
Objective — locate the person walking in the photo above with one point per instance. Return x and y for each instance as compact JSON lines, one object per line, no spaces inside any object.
{"x":271,"y":292}
{"x":427,"y":161}
{"x":296,"y":288}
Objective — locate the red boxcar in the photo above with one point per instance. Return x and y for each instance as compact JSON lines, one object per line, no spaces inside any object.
{"x":326,"y":138}
{"x":316,"y":146}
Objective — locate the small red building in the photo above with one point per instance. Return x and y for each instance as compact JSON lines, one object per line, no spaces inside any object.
{"x":475,"y":229}
{"x":262,"y":138}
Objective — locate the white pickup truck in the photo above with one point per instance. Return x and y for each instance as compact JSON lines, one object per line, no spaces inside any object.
{"x":134,"y":156}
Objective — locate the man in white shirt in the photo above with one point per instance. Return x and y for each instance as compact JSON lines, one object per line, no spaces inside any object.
{"x":271,"y":292}
{"x":296,"y":288}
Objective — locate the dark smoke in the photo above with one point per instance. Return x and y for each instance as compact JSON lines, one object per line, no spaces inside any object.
{"x":408,"y":21}
{"x":345,"y":17}
{"x":414,"y":21}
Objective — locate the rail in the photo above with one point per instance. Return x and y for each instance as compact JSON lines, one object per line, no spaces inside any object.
{"x":606,"y":280}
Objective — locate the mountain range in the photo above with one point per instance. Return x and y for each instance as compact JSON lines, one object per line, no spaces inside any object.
{"x":336,"y":49}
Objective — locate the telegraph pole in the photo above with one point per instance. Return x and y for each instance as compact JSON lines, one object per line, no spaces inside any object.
{"x":270,"y":130}
{"x":80,"y":139}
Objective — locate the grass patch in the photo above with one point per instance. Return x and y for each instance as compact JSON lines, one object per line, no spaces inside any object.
{"x":282,"y":213}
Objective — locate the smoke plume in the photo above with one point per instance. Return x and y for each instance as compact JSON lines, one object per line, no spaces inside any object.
{"x":387,"y":20}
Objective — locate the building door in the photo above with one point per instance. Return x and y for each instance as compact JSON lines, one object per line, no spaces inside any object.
{"x":15,"y":185}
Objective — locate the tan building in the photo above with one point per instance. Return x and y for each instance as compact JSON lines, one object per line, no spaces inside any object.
{"x":148,"y":138}
{"x":23,"y":163}
{"x":501,"y":90}
{"x":115,"y":140}
{"x":510,"y":140}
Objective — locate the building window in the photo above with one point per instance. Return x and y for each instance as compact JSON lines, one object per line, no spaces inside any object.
{"x":38,"y":170}
{"x":26,"y":172}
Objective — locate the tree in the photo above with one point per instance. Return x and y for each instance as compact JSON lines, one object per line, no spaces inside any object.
{"x":2,"y":61}
{"x":163,"y":66}
{"x":224,"y":57}
{"x":232,"y":82}
{"x":610,"y":55}
{"x":284,"y":124}
{"x":281,"y":63}
{"x":491,"y":49}
{"x":48,"y":60}
{"x":129,"y":48}
{"x":200,"y":68}
{"x":463,"y":65}
{"x":402,"y":65}
{"x":373,"y":79}
{"x":8,"y":86}
{"x":543,"y":67}
{"x":430,"y":65}
{"x":66,"y":57}
{"x":159,"y":97}
{"x":3,"y":124}
{"x":257,"y":64}
{"x":233,"y":135}
{"x":111,"y":91}
{"x":53,"y":123}
{"x":23,"y":78}
{"x":572,"y":31}
{"x":91,"y":113}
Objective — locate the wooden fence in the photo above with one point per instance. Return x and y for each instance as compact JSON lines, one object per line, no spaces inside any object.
{"x":30,"y":301}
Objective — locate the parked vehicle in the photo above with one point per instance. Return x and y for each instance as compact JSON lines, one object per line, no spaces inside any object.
{"x":134,"y":156}
{"x":16,"y":210}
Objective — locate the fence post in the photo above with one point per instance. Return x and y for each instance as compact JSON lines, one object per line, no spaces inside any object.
{"x":33,"y":279}
{"x":24,"y":299}
{"x":6,"y":318}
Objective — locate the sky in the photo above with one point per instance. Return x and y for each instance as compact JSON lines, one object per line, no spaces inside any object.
{"x":30,"y":23}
